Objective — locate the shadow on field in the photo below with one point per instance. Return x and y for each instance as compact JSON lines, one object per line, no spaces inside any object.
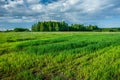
{"x":16,"y":40}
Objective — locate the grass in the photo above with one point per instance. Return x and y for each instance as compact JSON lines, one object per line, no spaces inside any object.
{"x":60,"y":56}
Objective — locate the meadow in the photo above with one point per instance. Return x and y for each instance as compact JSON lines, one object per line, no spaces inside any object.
{"x":60,"y":56}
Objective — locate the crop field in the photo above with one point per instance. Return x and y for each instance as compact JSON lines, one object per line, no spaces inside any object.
{"x":60,"y":56}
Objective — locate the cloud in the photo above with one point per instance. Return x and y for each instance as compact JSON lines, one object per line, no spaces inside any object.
{"x":72,"y":11}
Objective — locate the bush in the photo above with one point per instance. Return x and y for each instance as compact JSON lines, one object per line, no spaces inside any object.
{"x":21,"y":30}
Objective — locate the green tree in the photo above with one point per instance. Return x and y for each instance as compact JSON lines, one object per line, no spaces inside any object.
{"x":57,"y":27}
{"x":41,"y":27}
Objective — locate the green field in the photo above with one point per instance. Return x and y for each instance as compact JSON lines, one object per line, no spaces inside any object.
{"x":59,"y":56}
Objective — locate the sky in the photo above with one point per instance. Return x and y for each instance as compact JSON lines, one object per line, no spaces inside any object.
{"x":24,"y":13}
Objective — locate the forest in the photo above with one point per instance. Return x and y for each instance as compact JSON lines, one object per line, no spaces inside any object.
{"x":63,"y":26}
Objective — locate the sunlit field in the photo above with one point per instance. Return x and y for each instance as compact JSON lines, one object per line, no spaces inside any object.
{"x":60,"y":56}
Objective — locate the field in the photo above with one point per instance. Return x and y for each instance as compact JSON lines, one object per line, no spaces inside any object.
{"x":59,"y":56}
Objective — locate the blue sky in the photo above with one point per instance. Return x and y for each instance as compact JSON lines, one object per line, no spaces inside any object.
{"x":24,"y":13}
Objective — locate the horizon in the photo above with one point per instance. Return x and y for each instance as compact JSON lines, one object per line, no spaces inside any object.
{"x":21,"y":13}
{"x":69,"y":25}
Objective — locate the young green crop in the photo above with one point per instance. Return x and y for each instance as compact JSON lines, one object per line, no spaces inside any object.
{"x":59,"y":56}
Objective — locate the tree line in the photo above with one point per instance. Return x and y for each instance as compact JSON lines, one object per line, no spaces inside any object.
{"x":17,"y":30}
{"x":61,"y":26}
{"x":49,"y":26}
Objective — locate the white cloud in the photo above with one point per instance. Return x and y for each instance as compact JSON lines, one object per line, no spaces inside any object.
{"x":2,"y":29}
{"x":33,"y":1}
{"x":36,"y":7}
{"x":69,"y":10}
{"x":13,"y":4}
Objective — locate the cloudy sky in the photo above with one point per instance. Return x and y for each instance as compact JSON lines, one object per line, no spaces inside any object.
{"x":24,"y":13}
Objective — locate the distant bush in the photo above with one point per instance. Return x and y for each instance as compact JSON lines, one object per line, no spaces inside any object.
{"x":110,"y":29}
{"x":21,"y":30}
{"x":9,"y":30}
